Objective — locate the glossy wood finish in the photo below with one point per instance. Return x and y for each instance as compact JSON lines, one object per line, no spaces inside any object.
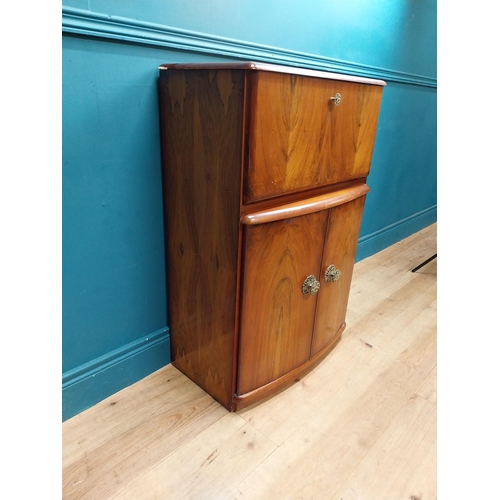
{"x":298,"y":138}
{"x":344,"y":223}
{"x":245,"y":400}
{"x":290,"y":327}
{"x":277,"y":318}
{"x":304,"y":207}
{"x":264,"y":184}
{"x":202,"y":114}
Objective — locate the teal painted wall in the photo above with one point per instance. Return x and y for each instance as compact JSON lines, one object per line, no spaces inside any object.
{"x":115,"y":322}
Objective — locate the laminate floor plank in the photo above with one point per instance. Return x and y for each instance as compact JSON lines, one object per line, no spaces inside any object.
{"x":208,"y":467}
{"x":390,"y":270}
{"x":115,"y":458}
{"x":166,"y":389}
{"x":405,"y":254}
{"x":428,"y":390}
{"x":402,"y":463}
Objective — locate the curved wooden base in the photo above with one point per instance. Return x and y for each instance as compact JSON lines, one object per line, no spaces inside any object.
{"x":242,"y":401}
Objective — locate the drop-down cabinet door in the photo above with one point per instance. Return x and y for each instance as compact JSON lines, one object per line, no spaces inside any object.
{"x":307,"y":132}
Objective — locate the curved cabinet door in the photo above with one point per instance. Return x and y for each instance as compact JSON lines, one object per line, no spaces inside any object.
{"x":341,"y":241}
{"x":276,"y":316}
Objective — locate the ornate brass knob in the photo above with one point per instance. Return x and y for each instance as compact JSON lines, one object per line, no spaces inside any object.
{"x":332,"y":274}
{"x":337,"y":98}
{"x":311,"y":286}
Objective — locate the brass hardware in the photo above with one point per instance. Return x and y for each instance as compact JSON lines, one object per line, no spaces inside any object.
{"x":311,"y":286}
{"x":337,"y":98}
{"x":332,"y":274}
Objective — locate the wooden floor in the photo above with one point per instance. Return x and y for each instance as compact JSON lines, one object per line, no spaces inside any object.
{"x":361,"y":425}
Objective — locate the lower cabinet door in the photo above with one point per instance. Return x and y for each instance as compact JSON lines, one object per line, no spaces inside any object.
{"x":344,"y":222}
{"x":276,"y":316}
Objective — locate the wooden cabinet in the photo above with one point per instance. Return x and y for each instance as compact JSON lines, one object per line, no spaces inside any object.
{"x":264,"y":171}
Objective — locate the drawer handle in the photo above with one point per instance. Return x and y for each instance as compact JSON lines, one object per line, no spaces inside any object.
{"x":337,"y":98}
{"x":311,"y":286}
{"x":332,"y":274}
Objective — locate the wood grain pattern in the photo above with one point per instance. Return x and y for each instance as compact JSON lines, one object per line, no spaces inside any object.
{"x":221,"y":455}
{"x":106,"y":447}
{"x":279,"y":255}
{"x":406,"y":467}
{"x":285,"y":381}
{"x":340,"y":250}
{"x":100,"y":424}
{"x":202,"y":115}
{"x":276,"y":317}
{"x":297,"y":137}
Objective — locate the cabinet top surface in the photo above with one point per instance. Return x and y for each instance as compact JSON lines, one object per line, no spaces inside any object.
{"x":250,"y":65}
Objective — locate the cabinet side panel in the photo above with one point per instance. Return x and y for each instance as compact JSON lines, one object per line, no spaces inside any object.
{"x":201,"y":145}
{"x":340,"y":251}
{"x":277,"y":318}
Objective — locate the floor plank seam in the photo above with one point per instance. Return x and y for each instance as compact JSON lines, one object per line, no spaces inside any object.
{"x":425,"y":399}
{"x":235,"y":489}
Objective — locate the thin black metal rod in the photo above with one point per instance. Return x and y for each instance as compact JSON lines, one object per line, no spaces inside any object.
{"x":423,"y":263}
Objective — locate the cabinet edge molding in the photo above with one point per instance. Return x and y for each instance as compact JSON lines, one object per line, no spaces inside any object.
{"x":274,"y":68}
{"x":305,"y":207}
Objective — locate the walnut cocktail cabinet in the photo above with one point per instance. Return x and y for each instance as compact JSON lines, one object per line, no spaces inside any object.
{"x":264,"y":172}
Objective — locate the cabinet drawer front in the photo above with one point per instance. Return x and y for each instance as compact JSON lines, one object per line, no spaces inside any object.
{"x":298,"y":138}
{"x":276,"y":316}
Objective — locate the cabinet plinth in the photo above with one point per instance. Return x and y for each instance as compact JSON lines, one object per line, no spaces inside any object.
{"x":264,"y":171}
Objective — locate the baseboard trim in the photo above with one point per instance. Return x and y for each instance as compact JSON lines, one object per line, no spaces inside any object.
{"x":375,"y":242}
{"x":87,"y":384}
{"x":98,"y":25}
